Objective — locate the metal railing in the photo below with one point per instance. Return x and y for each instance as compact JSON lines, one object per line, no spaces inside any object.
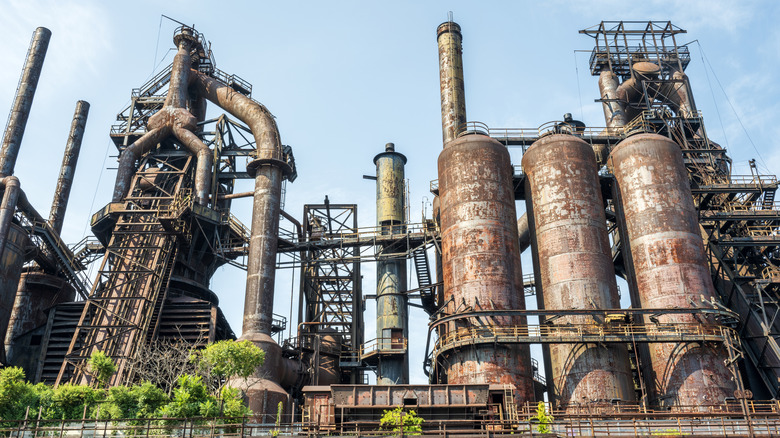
{"x":582,"y":333}
{"x":383,"y":345}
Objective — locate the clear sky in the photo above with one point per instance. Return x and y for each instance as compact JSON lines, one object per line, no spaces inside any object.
{"x":343,"y":78}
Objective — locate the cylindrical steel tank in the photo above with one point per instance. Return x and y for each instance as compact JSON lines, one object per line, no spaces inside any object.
{"x":481,"y":260}
{"x":392,"y":321}
{"x":453,"y":97}
{"x":11,"y":261}
{"x":576,"y":270}
{"x":670,"y":268}
{"x":68,"y":168}
{"x":37,"y":293}
{"x":20,"y":111}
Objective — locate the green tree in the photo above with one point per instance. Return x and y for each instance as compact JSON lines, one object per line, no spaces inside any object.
{"x":225,"y":360}
{"x":16,"y":394}
{"x":102,"y":367}
{"x":543,"y":419}
{"x":398,"y":421}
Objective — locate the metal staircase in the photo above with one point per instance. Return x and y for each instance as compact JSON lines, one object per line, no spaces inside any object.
{"x":123,"y":308}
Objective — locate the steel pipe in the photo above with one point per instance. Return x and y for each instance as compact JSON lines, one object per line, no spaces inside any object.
{"x":68,"y":169}
{"x":25,"y":93}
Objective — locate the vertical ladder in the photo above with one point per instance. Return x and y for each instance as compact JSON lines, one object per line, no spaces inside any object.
{"x":510,"y":406}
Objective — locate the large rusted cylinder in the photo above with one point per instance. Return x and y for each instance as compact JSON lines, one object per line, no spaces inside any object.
{"x":392,"y":321}
{"x":20,"y":110}
{"x":68,"y":168}
{"x":481,"y":260}
{"x":453,"y":96}
{"x":11,"y":261}
{"x":670,"y":268}
{"x":576,"y":268}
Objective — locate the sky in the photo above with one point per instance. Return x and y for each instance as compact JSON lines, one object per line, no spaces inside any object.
{"x":345,"y":77}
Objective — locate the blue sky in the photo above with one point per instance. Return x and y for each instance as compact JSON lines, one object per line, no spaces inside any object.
{"x":343,"y":78}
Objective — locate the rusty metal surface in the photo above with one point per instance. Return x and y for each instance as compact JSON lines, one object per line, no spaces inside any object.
{"x":37,"y":292}
{"x":575,"y":263}
{"x":68,"y":169}
{"x":423,"y":395}
{"x":481,"y":258}
{"x":25,"y":93}
{"x":523,"y":232}
{"x":453,"y":98}
{"x":173,"y":119}
{"x":670,"y":267}
{"x":614,"y":109}
{"x":391,"y":304}
{"x":11,"y":261}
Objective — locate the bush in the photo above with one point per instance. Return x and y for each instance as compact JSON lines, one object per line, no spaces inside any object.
{"x":68,"y":402}
{"x":137,"y":401}
{"x":398,"y":421}
{"x":16,"y":394}
{"x":102,"y":368}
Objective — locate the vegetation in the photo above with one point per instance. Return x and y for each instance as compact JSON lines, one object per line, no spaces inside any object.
{"x":398,"y":421}
{"x":542,"y":419}
{"x":192,"y":395}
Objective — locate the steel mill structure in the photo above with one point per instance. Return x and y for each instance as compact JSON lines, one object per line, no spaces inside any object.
{"x":648,"y":197}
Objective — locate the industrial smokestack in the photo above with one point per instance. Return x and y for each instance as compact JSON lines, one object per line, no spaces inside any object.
{"x":614,"y":109}
{"x":25,"y":92}
{"x":453,"y":97}
{"x":392,"y":321}
{"x":68,"y":168}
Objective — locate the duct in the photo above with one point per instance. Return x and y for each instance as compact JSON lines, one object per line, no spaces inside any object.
{"x":174,"y":119}
{"x":523,"y":232}
{"x":453,"y":97}
{"x":11,"y":191}
{"x":631,"y":90}
{"x":68,"y":168}
{"x":128,"y":157}
{"x":268,"y":169}
{"x":678,"y":92}
{"x":614,"y":109}
{"x":205,"y":162}
{"x":25,"y":93}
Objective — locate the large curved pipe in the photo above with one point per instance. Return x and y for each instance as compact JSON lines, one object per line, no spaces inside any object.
{"x":205,"y":162}
{"x":127,"y":159}
{"x":260,"y":121}
{"x":614,"y":108}
{"x":7,"y":207}
{"x":268,"y":170}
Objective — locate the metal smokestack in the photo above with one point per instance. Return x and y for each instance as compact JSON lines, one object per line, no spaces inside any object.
{"x":68,"y":168}
{"x":392,"y":322}
{"x":453,"y":98}
{"x":25,"y":92}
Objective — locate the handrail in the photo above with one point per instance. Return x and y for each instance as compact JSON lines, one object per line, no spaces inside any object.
{"x":581,"y":333}
{"x":383,"y":345}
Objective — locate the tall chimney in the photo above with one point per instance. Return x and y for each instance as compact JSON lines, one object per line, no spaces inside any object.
{"x":68,"y":169}
{"x":25,"y":92}
{"x":453,"y":98}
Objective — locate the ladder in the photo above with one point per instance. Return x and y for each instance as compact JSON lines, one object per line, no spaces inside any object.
{"x":510,"y":406}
